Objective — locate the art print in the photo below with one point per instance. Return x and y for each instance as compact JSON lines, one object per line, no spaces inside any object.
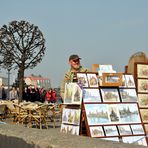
{"x":144,"y":115}
{"x":128,"y":95}
{"x":111,"y":131}
{"x":96,"y":131}
{"x":129,"y":79}
{"x":96,"y":114}
{"x":82,"y":79}
{"x":142,"y":70}
{"x":124,"y":130}
{"x":137,"y":129}
{"x":77,"y":94}
{"x":137,"y":140}
{"x":113,"y":113}
{"x":143,"y":100}
{"x":143,"y":85}
{"x":129,"y":113}
{"x":71,"y":116}
{"x":110,"y":95}
{"x":92,"y":80}
{"x":91,"y":95}
{"x":68,"y":92}
{"x":74,"y":130}
{"x":105,"y":69}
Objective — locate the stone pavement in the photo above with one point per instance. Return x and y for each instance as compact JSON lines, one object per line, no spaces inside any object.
{"x":18,"y":136}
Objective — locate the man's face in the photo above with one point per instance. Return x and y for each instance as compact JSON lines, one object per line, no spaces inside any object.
{"x":75,"y":64}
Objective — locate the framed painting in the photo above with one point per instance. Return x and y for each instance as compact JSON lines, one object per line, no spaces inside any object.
{"x":142,"y":85}
{"x":110,"y":95}
{"x":111,"y":131}
{"x":113,"y":113}
{"x":71,"y":129}
{"x":96,"y":114}
{"x":128,"y":95}
{"x":142,"y":70}
{"x":137,"y":129}
{"x":91,"y":95}
{"x":96,"y":131}
{"x":77,"y":94}
{"x":72,"y":94}
{"x":71,"y":116}
{"x":124,"y":130}
{"x":92,"y":80}
{"x":143,"y":100}
{"x":137,"y":140}
{"x":112,"y":79}
{"x":82,"y":79}
{"x":129,"y":113}
{"x":129,"y":79}
{"x":144,"y":115}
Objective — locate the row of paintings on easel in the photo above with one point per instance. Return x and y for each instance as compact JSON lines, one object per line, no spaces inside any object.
{"x":74,"y":94}
{"x":117,"y":130}
{"x":92,"y":80}
{"x":137,"y":140}
{"x":106,"y":114}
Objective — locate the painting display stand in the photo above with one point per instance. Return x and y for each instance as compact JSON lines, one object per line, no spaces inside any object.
{"x":106,"y":112}
{"x":141,"y":79}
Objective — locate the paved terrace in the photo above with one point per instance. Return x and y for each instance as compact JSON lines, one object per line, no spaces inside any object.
{"x":18,"y":136}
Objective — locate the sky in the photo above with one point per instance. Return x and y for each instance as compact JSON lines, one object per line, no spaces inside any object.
{"x":99,"y":31}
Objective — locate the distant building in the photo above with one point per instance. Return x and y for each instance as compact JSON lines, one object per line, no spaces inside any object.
{"x":38,"y":81}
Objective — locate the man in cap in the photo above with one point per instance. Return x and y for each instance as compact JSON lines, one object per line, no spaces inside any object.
{"x":70,"y":76}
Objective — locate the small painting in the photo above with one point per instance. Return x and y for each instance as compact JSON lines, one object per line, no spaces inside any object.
{"x":143,"y":85}
{"x":113,"y":113}
{"x":137,"y":129}
{"x":91,"y":95}
{"x":143,"y":100}
{"x":111,"y":131}
{"x":96,"y":114}
{"x":74,"y":130}
{"x":130,"y":83}
{"x":82,"y":79}
{"x":128,"y":95}
{"x":124,"y":130}
{"x":129,"y":113}
{"x":92,"y":80}
{"x":142,"y":70}
{"x":96,"y":131}
{"x":110,"y":95}
{"x":137,"y":140}
{"x":73,"y":94}
{"x":71,"y":116}
{"x":144,"y":115}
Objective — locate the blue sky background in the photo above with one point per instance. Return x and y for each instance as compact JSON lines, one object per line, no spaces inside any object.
{"x":100,"y":31}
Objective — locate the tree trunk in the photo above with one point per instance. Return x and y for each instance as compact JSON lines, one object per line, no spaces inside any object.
{"x":21,"y":84}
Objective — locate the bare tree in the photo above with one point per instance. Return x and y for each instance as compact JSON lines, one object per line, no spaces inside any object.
{"x":23,"y":45}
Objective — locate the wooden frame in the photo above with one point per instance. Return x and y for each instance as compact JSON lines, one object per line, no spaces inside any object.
{"x":142,"y":70}
{"x":142,"y":85}
{"x":112,"y":79}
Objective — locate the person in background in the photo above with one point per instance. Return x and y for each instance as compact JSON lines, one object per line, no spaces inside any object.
{"x":51,"y":96}
{"x":70,"y":76}
{"x":3,"y":94}
{"x":13,"y":94}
